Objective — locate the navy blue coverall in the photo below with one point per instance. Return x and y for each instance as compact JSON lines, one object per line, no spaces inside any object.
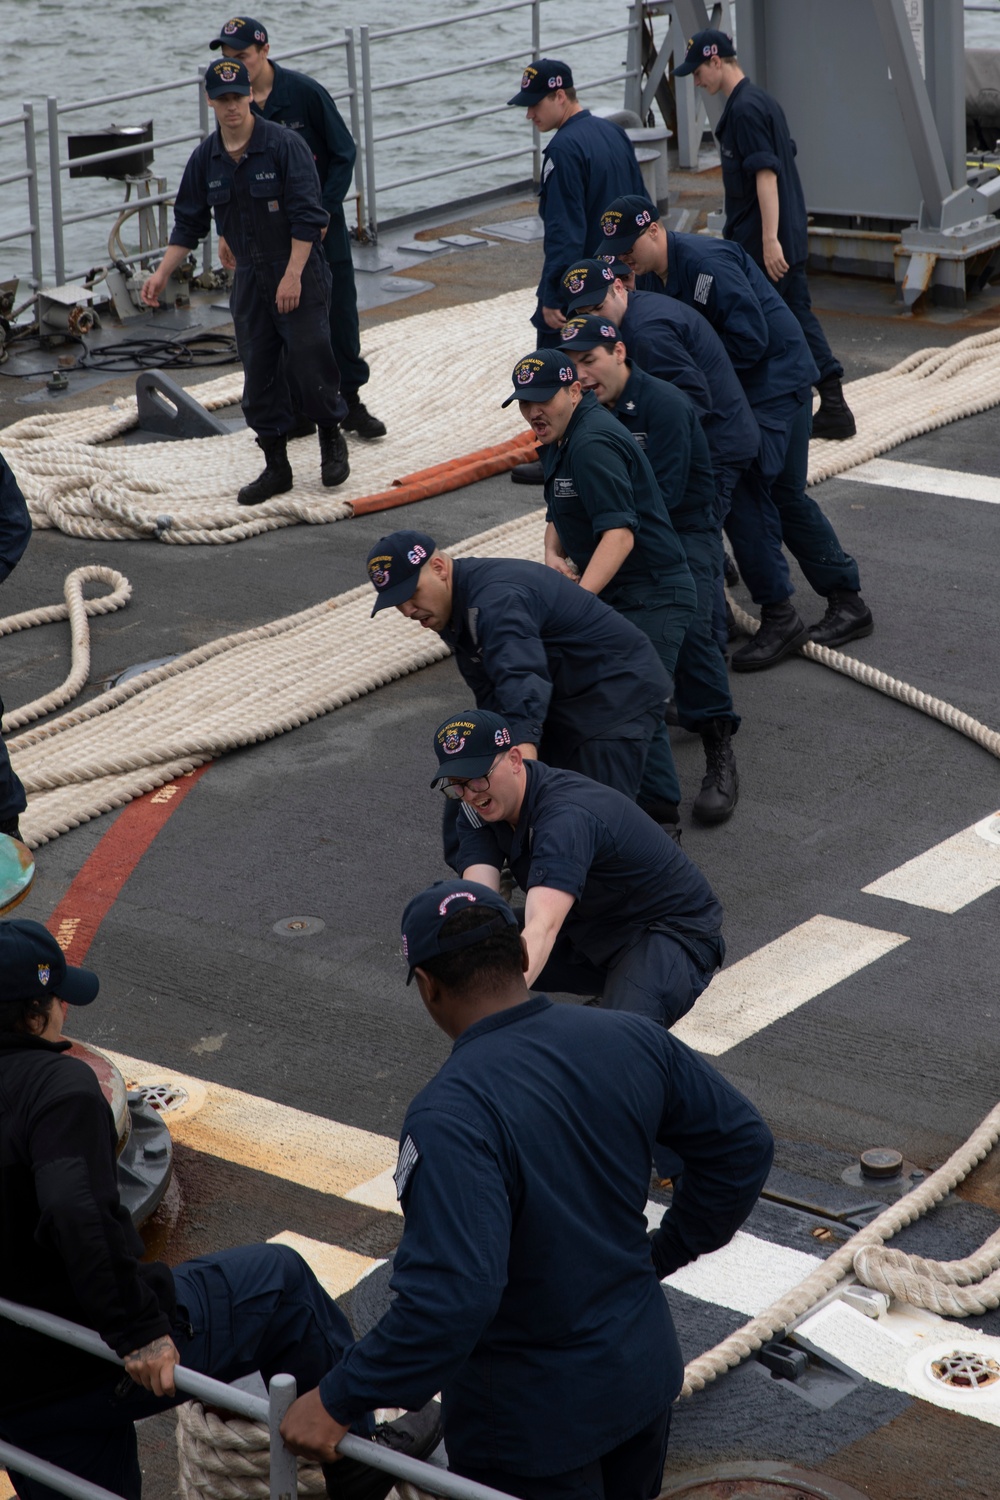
{"x":753,"y":137}
{"x":664,"y":423}
{"x":598,"y":480}
{"x":15,"y":531}
{"x":770,"y":355}
{"x":646,"y":930}
{"x":587,"y":163}
{"x":263,"y":202}
{"x":526,"y":641}
{"x":300,"y":103}
{"x":526,"y":1287}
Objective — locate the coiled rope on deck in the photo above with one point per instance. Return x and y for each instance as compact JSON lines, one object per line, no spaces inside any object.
{"x":862,"y":1256}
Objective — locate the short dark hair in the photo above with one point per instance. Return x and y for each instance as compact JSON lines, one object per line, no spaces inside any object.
{"x":489,"y":965}
{"x":16,"y":1015}
{"x":569,"y":92}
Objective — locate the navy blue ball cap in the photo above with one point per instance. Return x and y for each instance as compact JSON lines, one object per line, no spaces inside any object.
{"x":538,"y":376}
{"x":227,"y":76}
{"x":467,"y":744}
{"x":427,"y":913}
{"x":542,"y":77}
{"x":625,"y":219}
{"x":702,"y":47}
{"x":586,"y":284}
{"x":611,"y":259}
{"x":589,"y":332}
{"x":394,"y":565}
{"x":240,"y":32}
{"x":33,"y":966}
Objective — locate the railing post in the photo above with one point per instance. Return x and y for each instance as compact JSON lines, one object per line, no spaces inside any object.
{"x":359,"y":160}
{"x":536,"y":52}
{"x":206,"y":126}
{"x":284,"y":1466}
{"x":31,"y":158}
{"x":55,"y":186}
{"x":633,"y":78}
{"x":366,"y":89}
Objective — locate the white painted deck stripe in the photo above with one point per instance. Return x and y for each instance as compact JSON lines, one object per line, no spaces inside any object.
{"x":899,"y":476}
{"x":949,"y":876}
{"x":258,"y":1133}
{"x":337,"y":1270}
{"x":747,"y":1275}
{"x":769,"y":984}
{"x":896,"y":1350}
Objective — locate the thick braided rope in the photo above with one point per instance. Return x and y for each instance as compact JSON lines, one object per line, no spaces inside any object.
{"x":76,"y":609}
{"x":954,"y":1289}
{"x":903,"y":692}
{"x":794,"y":1304}
{"x":229,"y":1458}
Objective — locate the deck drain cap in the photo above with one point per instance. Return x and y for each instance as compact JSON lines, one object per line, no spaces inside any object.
{"x":298,"y":926}
{"x":743,"y":1481}
{"x":163,"y":1097}
{"x":881,"y":1161}
{"x":964,"y":1370}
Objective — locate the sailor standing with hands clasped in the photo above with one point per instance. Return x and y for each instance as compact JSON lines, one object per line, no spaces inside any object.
{"x":260,"y":182}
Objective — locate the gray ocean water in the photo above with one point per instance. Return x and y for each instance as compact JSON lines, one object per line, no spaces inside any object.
{"x":67,"y":49}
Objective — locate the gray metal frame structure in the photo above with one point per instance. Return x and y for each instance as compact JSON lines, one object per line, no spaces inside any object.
{"x":281,"y":1394}
{"x":879,"y":123}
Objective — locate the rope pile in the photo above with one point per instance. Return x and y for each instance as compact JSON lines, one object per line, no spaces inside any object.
{"x":440,"y":398}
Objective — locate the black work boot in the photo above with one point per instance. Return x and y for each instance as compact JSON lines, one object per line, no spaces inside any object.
{"x":360,"y":420}
{"x":333,"y":465}
{"x":528,"y":473}
{"x":781,"y":632}
{"x":834,"y":420}
{"x":276,"y":478}
{"x":300,"y":428}
{"x":12,"y":828}
{"x":415,"y":1433}
{"x":730,"y":572}
{"x":847,"y":618}
{"x":721,"y":786}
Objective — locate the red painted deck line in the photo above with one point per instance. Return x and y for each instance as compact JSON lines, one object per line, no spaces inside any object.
{"x":97,"y":885}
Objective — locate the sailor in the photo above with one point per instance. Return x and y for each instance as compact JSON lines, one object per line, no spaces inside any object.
{"x":613,"y":907}
{"x":260,"y":181}
{"x":665,"y":425}
{"x":15,"y":531}
{"x":671,"y":341}
{"x":608,"y":529}
{"x":526,"y":1284}
{"x":586,"y":160}
{"x":526,"y":641}
{"x":300,"y":103}
{"x":69,"y":1247}
{"x":771,"y":357}
{"x":765,"y":205}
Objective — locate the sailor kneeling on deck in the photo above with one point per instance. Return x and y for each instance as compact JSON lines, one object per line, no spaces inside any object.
{"x":259,"y":179}
{"x":526,"y":1285}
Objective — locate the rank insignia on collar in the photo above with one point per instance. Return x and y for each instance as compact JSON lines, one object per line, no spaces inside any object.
{"x":630,"y":406}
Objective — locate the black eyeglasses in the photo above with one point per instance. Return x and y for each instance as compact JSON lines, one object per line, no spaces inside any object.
{"x":455,"y":787}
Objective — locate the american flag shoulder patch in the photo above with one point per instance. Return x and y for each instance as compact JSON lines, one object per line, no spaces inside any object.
{"x":702,"y":287}
{"x":408,"y":1158}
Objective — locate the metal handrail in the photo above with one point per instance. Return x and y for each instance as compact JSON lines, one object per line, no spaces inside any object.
{"x":32,"y":230}
{"x":437,"y":22}
{"x":281,"y":1394}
